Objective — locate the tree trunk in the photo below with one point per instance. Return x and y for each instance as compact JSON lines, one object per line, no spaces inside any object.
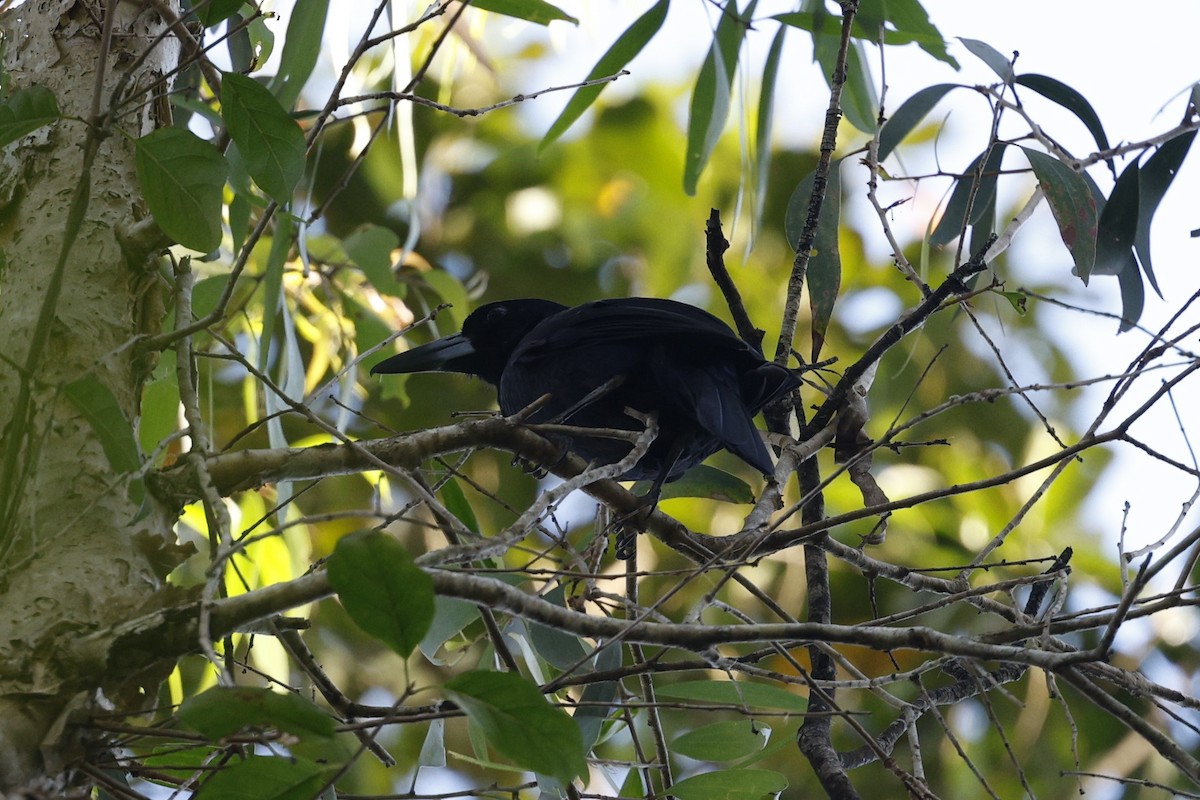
{"x":76,"y":555}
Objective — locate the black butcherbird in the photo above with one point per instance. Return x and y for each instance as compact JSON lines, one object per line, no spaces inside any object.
{"x":656,"y":356}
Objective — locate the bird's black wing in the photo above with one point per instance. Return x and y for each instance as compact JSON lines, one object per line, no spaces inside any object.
{"x":635,"y":319}
{"x":712,"y":394}
{"x":683,"y":360}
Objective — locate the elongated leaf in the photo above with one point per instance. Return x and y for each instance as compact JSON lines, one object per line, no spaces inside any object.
{"x":596,"y":699}
{"x":742,"y":694}
{"x":966,"y":200}
{"x":241,"y":49}
{"x":225,"y":710}
{"x":267,"y":137}
{"x":704,"y":481}
{"x":624,"y":50}
{"x":911,"y":20}
{"x":265,"y":778}
{"x":710,"y":97}
{"x":1058,"y":92}
{"x":536,"y":11}
{"x":932,"y":43}
{"x":825,"y":263}
{"x":731,"y":784}
{"x":217,"y":11}
{"x":433,"y":749}
{"x":1154,"y":179}
{"x":25,"y":112}
{"x":456,"y":503}
{"x":860,"y":102}
{"x":370,"y":246}
{"x":1116,"y":235}
{"x":1073,"y":207}
{"x":990,"y":56}
{"x":1133,"y":293}
{"x":909,"y":115}
{"x":1117,"y":227}
{"x":766,"y":122}
{"x":520,"y":723}
{"x":99,"y":407}
{"x":181,"y":176}
{"x":301,"y":47}
{"x":728,"y":740}
{"x":383,"y":591}
{"x":451,"y":615}
{"x":160,"y":409}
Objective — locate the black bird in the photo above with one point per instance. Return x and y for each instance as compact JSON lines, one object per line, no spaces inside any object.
{"x":703,"y":382}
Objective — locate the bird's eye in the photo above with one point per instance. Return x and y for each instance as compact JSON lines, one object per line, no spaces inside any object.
{"x":497,"y":313}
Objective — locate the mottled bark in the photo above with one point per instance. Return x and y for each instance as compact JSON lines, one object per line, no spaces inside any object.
{"x":75,"y":555}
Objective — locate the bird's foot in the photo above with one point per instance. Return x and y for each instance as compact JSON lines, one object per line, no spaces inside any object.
{"x":626,"y":528}
{"x":537,"y":470}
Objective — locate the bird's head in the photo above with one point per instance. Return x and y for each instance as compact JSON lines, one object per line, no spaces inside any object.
{"x":489,"y":335}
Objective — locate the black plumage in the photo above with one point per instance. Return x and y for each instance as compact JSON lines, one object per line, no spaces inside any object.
{"x":677,"y":361}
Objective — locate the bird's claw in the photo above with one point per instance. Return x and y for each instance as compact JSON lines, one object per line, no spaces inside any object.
{"x":626,"y":528}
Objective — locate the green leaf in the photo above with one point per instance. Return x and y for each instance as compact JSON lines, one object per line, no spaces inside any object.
{"x":1073,"y":207}
{"x":241,"y":51}
{"x":206,"y":294}
{"x":272,"y":285}
{"x":624,"y":50}
{"x":1058,"y":92}
{"x":217,"y":11}
{"x":1154,"y":179}
{"x":990,"y":56}
{"x":710,"y":96}
{"x":558,"y":648}
{"x":370,"y":246}
{"x":723,"y":741}
{"x":383,"y":591}
{"x":266,"y":778}
{"x":1116,"y":235}
{"x":1133,"y":293}
{"x":225,"y":710}
{"x":596,"y":700}
{"x":1117,"y":227}
{"x":520,"y":723}
{"x":731,"y":784}
{"x":860,"y":103}
{"x":270,"y":141}
{"x":450,"y":616}
{"x":704,"y":481}
{"x":964,"y":200}
{"x":825,"y":263}
{"x":262,"y":39}
{"x":911,"y":20}
{"x":742,"y":694}
{"x":433,"y":749}
{"x":909,"y":115}
{"x":765,"y":125}
{"x":928,"y":38}
{"x":451,"y":290}
{"x":181,"y":176}
{"x":456,"y":503}
{"x":99,"y":407}
{"x":536,"y":11}
{"x":160,"y":411}
{"x":301,"y":46}
{"x":1018,"y":301}
{"x":25,"y":111}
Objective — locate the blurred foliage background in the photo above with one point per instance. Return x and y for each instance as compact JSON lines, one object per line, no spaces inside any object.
{"x":601,"y":213}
